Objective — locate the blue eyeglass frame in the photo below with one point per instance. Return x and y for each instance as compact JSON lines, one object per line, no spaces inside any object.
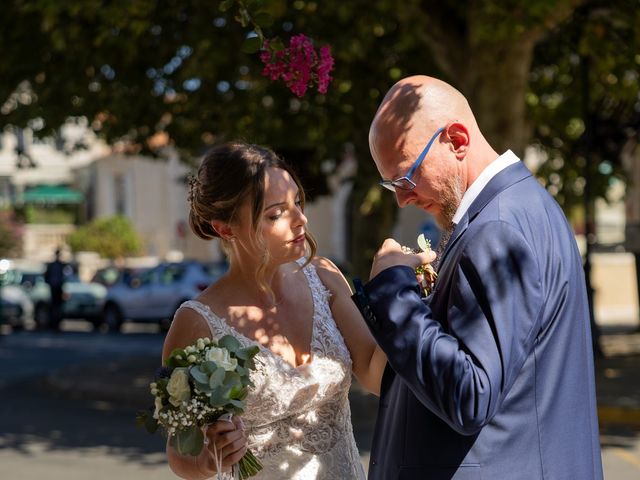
{"x":405,"y":182}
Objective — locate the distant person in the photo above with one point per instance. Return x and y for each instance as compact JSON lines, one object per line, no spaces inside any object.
{"x":54,"y":277}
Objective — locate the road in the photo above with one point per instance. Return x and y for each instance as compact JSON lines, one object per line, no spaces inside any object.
{"x":45,"y":435}
{"x":48,"y":434}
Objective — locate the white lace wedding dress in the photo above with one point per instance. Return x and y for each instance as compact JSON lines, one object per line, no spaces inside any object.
{"x":298,"y":418}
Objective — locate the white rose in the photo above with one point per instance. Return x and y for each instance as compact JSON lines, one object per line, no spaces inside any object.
{"x":178,"y":387}
{"x":222,"y":358}
{"x":156,"y":414}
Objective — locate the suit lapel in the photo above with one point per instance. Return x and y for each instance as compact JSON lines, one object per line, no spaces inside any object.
{"x":505,"y":178}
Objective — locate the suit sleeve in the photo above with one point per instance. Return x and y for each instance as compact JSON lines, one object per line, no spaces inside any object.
{"x":462,"y":366}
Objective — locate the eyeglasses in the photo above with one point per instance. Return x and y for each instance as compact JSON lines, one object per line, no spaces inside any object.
{"x":405,"y":182}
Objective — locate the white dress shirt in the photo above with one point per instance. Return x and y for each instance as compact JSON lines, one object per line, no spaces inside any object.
{"x":495,"y":167}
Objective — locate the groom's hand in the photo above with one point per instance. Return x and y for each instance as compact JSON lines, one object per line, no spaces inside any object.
{"x":391,"y":254}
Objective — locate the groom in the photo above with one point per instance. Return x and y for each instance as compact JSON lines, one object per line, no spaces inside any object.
{"x":491,"y":376}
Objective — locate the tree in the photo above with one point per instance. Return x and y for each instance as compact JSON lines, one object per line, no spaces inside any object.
{"x":586,"y":75}
{"x":111,"y":237}
{"x":148,"y":71}
{"x":10,"y":234}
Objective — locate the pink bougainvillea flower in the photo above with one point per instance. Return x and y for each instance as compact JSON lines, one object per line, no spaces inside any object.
{"x":299,"y":66}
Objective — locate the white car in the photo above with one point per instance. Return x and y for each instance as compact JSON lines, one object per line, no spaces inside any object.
{"x":154,"y":295}
{"x":82,"y":300}
{"x":16,"y":308}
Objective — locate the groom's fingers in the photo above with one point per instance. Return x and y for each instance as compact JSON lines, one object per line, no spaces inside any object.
{"x":426,"y":257}
{"x":391,"y":254}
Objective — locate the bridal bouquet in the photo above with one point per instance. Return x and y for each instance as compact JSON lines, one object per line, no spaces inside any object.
{"x":195,"y":387}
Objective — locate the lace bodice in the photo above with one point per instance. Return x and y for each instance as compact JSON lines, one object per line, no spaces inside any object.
{"x":298,"y":418}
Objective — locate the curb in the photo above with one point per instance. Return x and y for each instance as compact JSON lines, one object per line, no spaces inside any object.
{"x":627,"y":416}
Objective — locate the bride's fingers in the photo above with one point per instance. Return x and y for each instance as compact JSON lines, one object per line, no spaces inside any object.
{"x":221,"y":441}
{"x":233,"y":457}
{"x":232,"y":450}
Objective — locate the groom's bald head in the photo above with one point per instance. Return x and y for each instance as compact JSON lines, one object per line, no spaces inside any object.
{"x":412,"y":110}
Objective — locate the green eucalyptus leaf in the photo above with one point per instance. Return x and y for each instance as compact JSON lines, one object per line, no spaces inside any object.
{"x":203,"y":387}
{"x":209,"y":367}
{"x":188,"y":441}
{"x":247,"y":353}
{"x":198,"y":375}
{"x":177,"y":358}
{"x":217,"y":378}
{"x":229,"y":341}
{"x":232,"y":380}
{"x":237,"y":403}
{"x":145,"y":420}
{"x":219,"y":397}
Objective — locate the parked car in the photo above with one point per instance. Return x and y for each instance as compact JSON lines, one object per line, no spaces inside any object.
{"x":16,"y":308}
{"x":155,"y":294}
{"x":82,"y":300}
{"x":111,"y":276}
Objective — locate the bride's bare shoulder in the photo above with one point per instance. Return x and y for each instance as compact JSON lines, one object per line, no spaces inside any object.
{"x":187,"y":326}
{"x":331,"y":276}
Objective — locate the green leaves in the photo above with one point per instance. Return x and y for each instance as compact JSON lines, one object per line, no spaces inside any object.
{"x":251,"y":45}
{"x":263,"y":19}
{"x":145,"y":420}
{"x":226,"y":5}
{"x":217,"y":378}
{"x":188,"y":441}
{"x":229,"y":342}
{"x":111,"y":237}
{"x":177,"y":359}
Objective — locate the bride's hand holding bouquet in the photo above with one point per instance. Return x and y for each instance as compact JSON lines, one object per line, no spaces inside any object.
{"x":198,"y":385}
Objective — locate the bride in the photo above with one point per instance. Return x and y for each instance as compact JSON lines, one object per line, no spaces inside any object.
{"x":295,"y":306}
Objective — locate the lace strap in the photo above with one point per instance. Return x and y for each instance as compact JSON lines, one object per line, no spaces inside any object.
{"x":319,"y":292}
{"x":217,"y":326}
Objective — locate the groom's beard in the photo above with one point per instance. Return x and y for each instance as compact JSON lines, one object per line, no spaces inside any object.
{"x":450,"y":201}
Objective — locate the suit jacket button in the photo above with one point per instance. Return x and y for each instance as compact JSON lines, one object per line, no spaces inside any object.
{"x":373,"y":462}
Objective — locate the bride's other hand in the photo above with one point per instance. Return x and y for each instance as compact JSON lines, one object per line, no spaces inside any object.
{"x":228,"y":439}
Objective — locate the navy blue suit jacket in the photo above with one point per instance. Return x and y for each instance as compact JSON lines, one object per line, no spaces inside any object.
{"x":491,"y":376}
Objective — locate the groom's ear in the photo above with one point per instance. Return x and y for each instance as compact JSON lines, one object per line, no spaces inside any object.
{"x":459,"y":139}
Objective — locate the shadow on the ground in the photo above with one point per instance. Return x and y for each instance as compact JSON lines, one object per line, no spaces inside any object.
{"x":32,"y":416}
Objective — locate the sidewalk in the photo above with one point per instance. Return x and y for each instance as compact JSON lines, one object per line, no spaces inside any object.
{"x":618,"y":381}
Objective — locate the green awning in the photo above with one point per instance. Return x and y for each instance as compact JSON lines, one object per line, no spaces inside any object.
{"x":52,"y":194}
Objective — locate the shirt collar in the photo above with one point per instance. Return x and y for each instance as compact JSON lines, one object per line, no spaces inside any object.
{"x":490,"y":171}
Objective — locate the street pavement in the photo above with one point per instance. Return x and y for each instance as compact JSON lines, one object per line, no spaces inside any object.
{"x":69,"y":402}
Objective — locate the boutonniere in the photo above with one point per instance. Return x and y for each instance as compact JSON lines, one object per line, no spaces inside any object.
{"x":425,"y":273}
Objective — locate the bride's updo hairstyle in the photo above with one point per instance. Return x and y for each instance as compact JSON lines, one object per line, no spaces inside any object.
{"x":229,"y":175}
